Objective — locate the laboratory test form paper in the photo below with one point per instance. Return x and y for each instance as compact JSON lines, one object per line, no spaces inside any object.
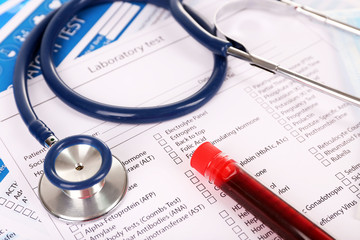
{"x":299,"y":143}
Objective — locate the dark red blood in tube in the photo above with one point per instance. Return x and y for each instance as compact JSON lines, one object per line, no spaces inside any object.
{"x":255,"y":197}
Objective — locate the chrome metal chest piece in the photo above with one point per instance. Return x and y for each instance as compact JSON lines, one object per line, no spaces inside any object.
{"x":74,"y":190}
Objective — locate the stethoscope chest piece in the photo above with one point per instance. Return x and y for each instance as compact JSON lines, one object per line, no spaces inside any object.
{"x":82,"y":180}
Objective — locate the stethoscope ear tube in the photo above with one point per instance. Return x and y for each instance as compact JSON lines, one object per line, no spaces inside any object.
{"x":239,"y":51}
{"x":27,"y":52}
{"x":191,"y":24}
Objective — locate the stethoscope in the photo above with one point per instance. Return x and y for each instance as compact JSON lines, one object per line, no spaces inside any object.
{"x":82,"y":180}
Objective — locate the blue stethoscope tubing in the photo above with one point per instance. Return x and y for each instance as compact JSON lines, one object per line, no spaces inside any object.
{"x":46,"y":33}
{"x":43,"y":36}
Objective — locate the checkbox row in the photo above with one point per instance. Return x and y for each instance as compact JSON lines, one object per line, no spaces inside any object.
{"x":285,"y":124}
{"x":268,"y":108}
{"x":160,"y":140}
{"x":347,"y":182}
{"x":201,"y":187}
{"x":344,"y":180}
{"x":168,"y":148}
{"x":175,"y":157}
{"x":18,"y":208}
{"x":230,"y":221}
{"x":316,"y":154}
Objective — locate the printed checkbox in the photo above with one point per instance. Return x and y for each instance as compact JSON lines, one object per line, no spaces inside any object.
{"x":168,"y":149}
{"x":9,"y":204}
{"x":18,"y":208}
{"x":230,"y":221}
{"x":162,"y":142}
{"x":206,"y":194}
{"x":259,"y":100}
{"x":300,"y":139}
{"x":294,"y":133}
{"x":189,"y":173}
{"x":248,"y":89}
{"x":34,"y":216}
{"x":313,"y":150}
{"x":339,"y":175}
{"x":319,"y":156}
{"x":270,"y":110}
{"x":253,"y":95}
{"x":173,"y":155}
{"x":325,"y":163}
{"x":178,"y":160}
{"x":27,"y":212}
{"x":276,"y":116}
{"x":73,"y":228}
{"x":200,"y":187}
{"x":79,"y":236}
{"x":265,"y":105}
{"x":353,"y":188}
{"x":358,"y":195}
{"x":243,"y":236}
{"x":223,"y":214}
{"x":346,"y":182}
{"x":237,"y":229}
{"x":2,"y":200}
{"x":288,"y":127}
{"x":282,"y":121}
{"x":194,"y":180}
{"x":211,"y":200}
{"x":157,"y":136}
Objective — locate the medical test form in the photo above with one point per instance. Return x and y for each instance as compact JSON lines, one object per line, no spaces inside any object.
{"x":299,"y":143}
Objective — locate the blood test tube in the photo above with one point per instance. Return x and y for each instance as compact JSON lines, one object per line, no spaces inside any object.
{"x":225,"y":173}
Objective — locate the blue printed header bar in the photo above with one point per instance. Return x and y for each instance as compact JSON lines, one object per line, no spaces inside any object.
{"x":18,"y":20}
{"x":3,"y":170}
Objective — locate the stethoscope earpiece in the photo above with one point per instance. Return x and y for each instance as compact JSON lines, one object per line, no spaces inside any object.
{"x":82,"y":180}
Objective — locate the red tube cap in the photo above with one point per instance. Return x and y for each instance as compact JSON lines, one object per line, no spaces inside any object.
{"x":203,"y":155}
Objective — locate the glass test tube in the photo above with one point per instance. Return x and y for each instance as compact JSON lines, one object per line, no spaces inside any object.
{"x":253,"y":196}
